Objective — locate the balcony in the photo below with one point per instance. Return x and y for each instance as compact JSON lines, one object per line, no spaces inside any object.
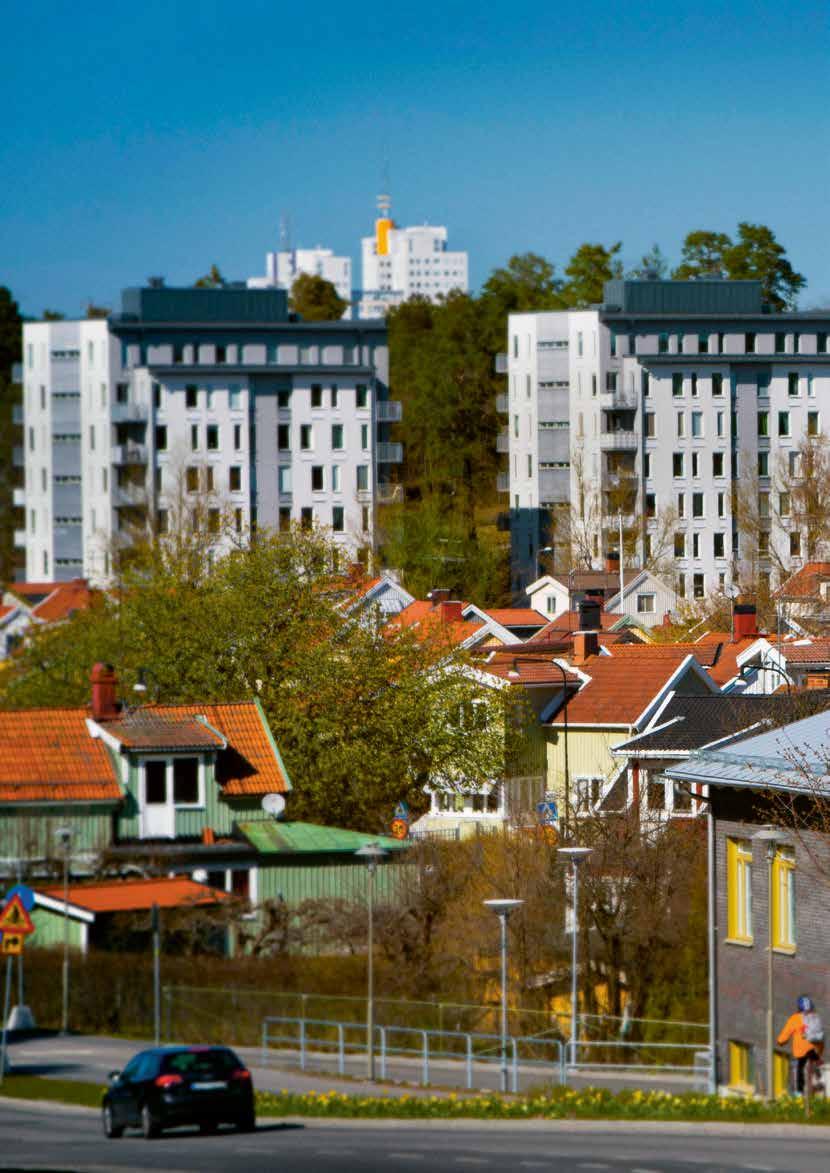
{"x":20,"y":539}
{"x":502,"y":405}
{"x":619,"y":441}
{"x":389,"y":453}
{"x":503,"y":441}
{"x":129,"y":413}
{"x":123,"y":454}
{"x":19,"y":498}
{"x":503,"y":482}
{"x":128,"y":496}
{"x":619,"y":401}
{"x":389,"y":411}
{"x":552,"y":344}
{"x":17,"y":456}
{"x":17,"y":415}
{"x":389,"y":494}
{"x":500,"y":364}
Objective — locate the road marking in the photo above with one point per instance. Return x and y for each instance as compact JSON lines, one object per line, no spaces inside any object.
{"x":760,"y":1168}
{"x":472,"y":1161}
{"x":536,"y":1164}
{"x":405,"y":1156}
{"x":50,"y":1052}
{"x":593,"y":1165}
{"x":642,"y":1169}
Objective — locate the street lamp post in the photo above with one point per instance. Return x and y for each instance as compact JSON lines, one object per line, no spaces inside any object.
{"x":566,"y":812}
{"x":503,"y":908}
{"x":63,"y":835}
{"x":371,"y":852}
{"x":576,"y":855}
{"x":773,"y":839}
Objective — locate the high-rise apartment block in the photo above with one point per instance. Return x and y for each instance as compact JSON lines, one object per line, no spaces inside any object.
{"x":210,"y":408}
{"x":399,"y":263}
{"x":284,"y":267}
{"x":682,"y":406}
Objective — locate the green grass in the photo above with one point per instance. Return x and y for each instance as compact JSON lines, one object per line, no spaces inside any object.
{"x":553,"y":1104}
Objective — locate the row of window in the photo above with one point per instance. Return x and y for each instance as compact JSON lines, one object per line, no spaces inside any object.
{"x":739,"y":895}
{"x":209,"y":520}
{"x":204,"y":479}
{"x":136,"y":354}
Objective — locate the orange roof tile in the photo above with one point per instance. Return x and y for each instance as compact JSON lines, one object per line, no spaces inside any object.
{"x":617,"y":693}
{"x":48,"y":755}
{"x":146,"y":729}
{"x":564,"y":625}
{"x":518,"y":666}
{"x":135,"y":895}
{"x":516,"y":616}
{"x":6,"y":611}
{"x":804,"y":584}
{"x":64,"y":600}
{"x":817,"y":651}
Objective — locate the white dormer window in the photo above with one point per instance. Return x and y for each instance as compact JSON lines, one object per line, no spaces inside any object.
{"x":168,"y":785}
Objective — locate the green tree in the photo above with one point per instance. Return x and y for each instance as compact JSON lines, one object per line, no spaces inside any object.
{"x":213,"y":279}
{"x":53,"y":316}
{"x":11,"y":324}
{"x":652,"y":264}
{"x":587,"y":271}
{"x":316,"y":300}
{"x":97,"y":311}
{"x":757,"y":254}
{"x":703,"y":255}
{"x":363,"y":719}
{"x":525,"y":284}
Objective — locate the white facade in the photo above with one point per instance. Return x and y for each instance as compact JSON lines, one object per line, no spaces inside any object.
{"x":399,"y":263}
{"x":682,"y":408}
{"x":284,"y":267}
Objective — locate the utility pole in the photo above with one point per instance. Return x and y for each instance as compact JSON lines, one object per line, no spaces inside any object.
{"x":622,"y":572}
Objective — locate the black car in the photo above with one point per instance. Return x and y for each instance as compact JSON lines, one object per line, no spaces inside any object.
{"x":168,"y":1086}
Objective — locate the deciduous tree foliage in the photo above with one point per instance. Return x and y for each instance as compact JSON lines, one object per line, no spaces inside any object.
{"x":363,"y":720}
{"x":316,"y":300}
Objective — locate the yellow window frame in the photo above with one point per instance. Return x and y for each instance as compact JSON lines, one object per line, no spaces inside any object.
{"x":783,"y":900}
{"x":740,"y":1066}
{"x":739,"y":891}
{"x":780,"y":1074}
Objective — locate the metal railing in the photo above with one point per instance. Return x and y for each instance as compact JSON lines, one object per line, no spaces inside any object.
{"x":426,"y":1050}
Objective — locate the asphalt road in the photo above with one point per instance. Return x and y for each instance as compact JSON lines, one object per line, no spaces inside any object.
{"x":50,"y":1138}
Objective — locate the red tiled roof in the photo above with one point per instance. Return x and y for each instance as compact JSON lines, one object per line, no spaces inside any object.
{"x":519,"y":667}
{"x":66,"y":598}
{"x":146,"y":729}
{"x":804,"y":584}
{"x":516,"y":616}
{"x":6,"y":611}
{"x":815,"y":652}
{"x":135,"y":895}
{"x":48,"y":755}
{"x":618,"y":692}
{"x":564,"y":625}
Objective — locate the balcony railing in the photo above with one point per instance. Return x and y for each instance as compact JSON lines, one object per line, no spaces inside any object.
{"x":502,"y":405}
{"x":389,"y":453}
{"x":129,"y":454}
{"x":126,"y":496}
{"x":20,"y":539}
{"x":619,"y":441}
{"x":389,"y":411}
{"x":389,"y":494}
{"x":19,"y":498}
{"x":128,"y":413}
{"x":503,"y":441}
{"x":500,"y":364}
{"x":503,"y":482}
{"x":619,"y":400}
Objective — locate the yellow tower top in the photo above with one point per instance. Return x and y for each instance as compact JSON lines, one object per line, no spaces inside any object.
{"x":383,"y":224}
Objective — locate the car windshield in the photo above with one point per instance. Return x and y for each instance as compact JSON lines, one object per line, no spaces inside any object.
{"x":207,"y":1064}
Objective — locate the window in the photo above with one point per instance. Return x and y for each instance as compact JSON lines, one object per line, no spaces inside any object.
{"x":191,"y":477}
{"x":645,"y":386}
{"x":763,"y":542}
{"x":306,"y":437}
{"x":681,"y":504}
{"x":365,"y":518}
{"x":334,"y":394}
{"x":234,"y":398}
{"x":162,"y":521}
{"x":762,"y":386}
{"x":792,"y":384}
{"x":783,"y":899}
{"x":763,"y":464}
{"x":213,"y":437}
{"x":717,"y":384}
{"x":362,"y":395}
{"x":213,"y":520}
{"x":784,"y":504}
{"x":337,"y":519}
{"x":697,"y":505}
{"x":780,"y":343}
{"x":186,"y":781}
{"x":364,"y":437}
{"x":695,"y":464}
{"x":316,"y":395}
{"x":579,"y":343}
{"x":719,"y":422}
{"x":235,"y":478}
{"x":679,"y":544}
{"x":237,"y":437}
{"x":695,"y":389}
{"x":741,"y":1075}
{"x":763,"y":504}
{"x":650,"y":418}
{"x":794,"y":464}
{"x":306,"y":517}
{"x":718,"y":545}
{"x":795,"y":545}
{"x":721,"y":505}
{"x":363,"y":478}
{"x":717,"y":464}
{"x":681,"y":424}
{"x":739,"y":890}
{"x":645,"y":604}
{"x":698,"y":585}
{"x":763,"y":423}
{"x":647,"y":465}
{"x":681,"y":586}
{"x":813,"y":427}
{"x":656,"y":795}
{"x":318,"y":483}
{"x":663,"y":344}
{"x":697,"y":424}
{"x":677,"y":383}
{"x":783,"y":423}
{"x":593,"y":385}
{"x":335,"y":478}
{"x":749,"y":343}
{"x":695,"y":545}
{"x":336,"y":436}
{"x":780,"y":1074}
{"x":191,"y":396}
{"x":651,"y":505}
{"x":821,"y":343}
{"x":194,"y":437}
{"x":284,"y":478}
{"x":209,"y":478}
{"x":92,"y":439}
{"x":611,"y":380}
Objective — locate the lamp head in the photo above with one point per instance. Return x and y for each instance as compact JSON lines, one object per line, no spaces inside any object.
{"x":575,"y":854}
{"x":503,"y":907}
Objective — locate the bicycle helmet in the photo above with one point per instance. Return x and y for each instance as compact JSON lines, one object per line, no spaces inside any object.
{"x":805,"y":1004}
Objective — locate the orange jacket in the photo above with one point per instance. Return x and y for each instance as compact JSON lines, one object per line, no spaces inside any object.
{"x":794,"y":1029}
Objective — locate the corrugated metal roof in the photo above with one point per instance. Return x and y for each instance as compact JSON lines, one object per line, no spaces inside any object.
{"x":306,"y":838}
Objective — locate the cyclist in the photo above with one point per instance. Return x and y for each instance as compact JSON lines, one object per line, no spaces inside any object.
{"x":807,"y":1034}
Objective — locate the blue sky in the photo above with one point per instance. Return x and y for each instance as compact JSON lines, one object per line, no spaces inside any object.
{"x":163,"y":136}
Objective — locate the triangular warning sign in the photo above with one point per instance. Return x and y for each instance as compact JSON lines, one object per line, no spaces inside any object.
{"x":14,"y":918}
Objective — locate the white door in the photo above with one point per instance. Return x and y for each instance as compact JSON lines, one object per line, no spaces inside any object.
{"x":158,"y":815}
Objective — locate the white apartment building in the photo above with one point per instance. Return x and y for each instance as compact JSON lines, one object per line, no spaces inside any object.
{"x":284,"y":267}
{"x":398,"y":263}
{"x":677,"y":395}
{"x":200,"y":407}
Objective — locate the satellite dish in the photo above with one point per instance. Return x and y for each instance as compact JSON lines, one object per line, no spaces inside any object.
{"x":733,"y":590}
{"x":273,"y":804}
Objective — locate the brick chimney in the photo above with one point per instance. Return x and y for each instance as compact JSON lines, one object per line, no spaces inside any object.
{"x":451,"y":611}
{"x":438,"y":595}
{"x":104,"y":686}
{"x":590,"y":609}
{"x":612,"y":562}
{"x":586,"y":644}
{"x":744,"y":622}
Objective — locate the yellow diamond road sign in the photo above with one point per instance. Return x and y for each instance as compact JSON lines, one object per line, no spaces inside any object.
{"x":15,"y":919}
